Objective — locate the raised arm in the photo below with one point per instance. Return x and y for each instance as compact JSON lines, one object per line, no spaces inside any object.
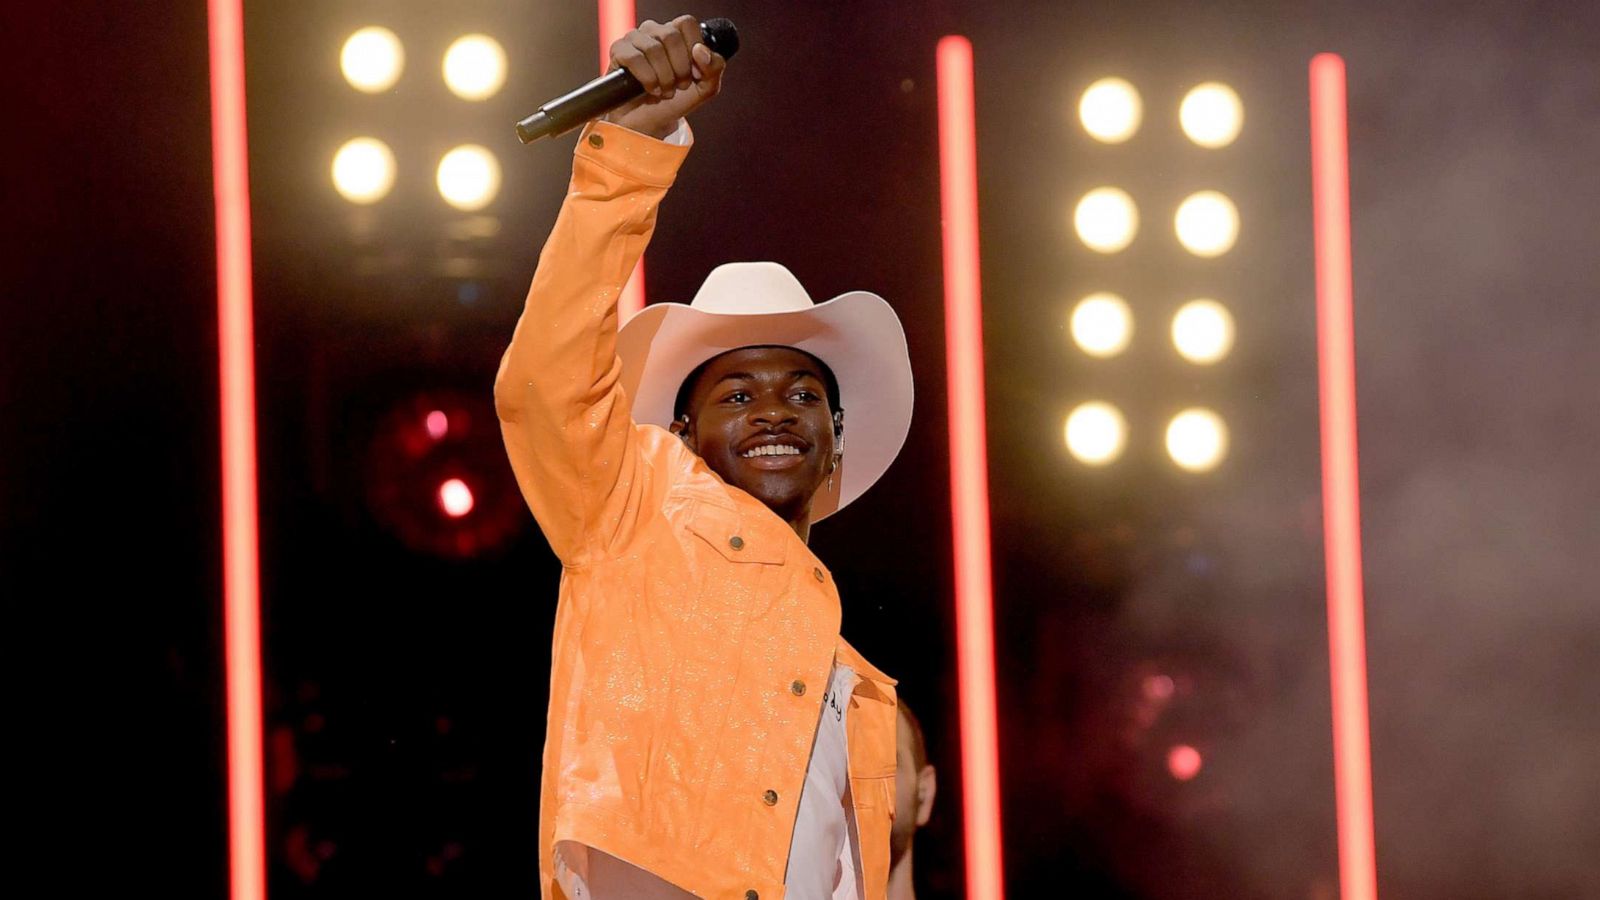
{"x":563,"y":414}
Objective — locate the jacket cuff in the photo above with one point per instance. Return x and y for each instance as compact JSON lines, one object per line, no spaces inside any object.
{"x":631,"y":154}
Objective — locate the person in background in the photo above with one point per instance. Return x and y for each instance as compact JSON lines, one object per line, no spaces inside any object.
{"x":915,"y":784}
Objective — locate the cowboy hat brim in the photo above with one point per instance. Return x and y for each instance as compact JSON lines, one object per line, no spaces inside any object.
{"x":856,"y":334}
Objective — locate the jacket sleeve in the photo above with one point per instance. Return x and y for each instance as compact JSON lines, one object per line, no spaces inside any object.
{"x":565,"y":418}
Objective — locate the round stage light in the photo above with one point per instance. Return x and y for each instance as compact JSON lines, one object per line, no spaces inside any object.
{"x":1106,"y":219}
{"x":475,"y":67}
{"x":455,"y":498}
{"x":469,"y":177}
{"x":1211,"y":114}
{"x":1159,"y":687}
{"x":372,"y":59}
{"x":1102,"y":325}
{"x":363,"y":170}
{"x":1110,"y":110}
{"x":1184,"y":762}
{"x":1096,"y":433}
{"x":1202,"y":331}
{"x":438,"y":424}
{"x":1197,"y":440}
{"x":1207,"y":223}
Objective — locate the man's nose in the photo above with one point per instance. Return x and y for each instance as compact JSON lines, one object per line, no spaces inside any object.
{"x":773,"y":412}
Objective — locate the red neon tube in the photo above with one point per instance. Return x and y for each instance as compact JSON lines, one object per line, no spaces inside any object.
{"x":969,"y":469}
{"x":1341,"y":509}
{"x":617,"y":17}
{"x":240,"y":559}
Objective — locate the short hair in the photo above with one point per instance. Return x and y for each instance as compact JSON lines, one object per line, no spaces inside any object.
{"x":919,"y":747}
{"x":681,"y":404}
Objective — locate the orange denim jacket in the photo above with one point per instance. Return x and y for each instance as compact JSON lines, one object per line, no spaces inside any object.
{"x":688,"y":667}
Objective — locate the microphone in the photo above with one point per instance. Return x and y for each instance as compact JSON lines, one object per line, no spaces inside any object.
{"x":612,"y":90}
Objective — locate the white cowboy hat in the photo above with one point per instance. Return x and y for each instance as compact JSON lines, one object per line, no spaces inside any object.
{"x":749,"y":304}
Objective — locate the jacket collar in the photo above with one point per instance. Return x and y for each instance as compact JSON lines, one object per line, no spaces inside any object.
{"x":847,"y":655}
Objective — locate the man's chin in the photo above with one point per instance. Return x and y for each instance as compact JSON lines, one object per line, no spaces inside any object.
{"x":784,"y":491}
{"x":780,"y":497}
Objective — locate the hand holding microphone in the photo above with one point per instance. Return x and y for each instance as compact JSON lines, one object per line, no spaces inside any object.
{"x":660,"y":73}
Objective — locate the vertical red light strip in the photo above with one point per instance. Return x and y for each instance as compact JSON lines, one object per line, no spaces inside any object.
{"x":617,"y":17}
{"x":969,"y":469}
{"x":1341,"y":510}
{"x":240,"y":560}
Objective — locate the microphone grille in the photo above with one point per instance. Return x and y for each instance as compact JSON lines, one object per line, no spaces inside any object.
{"x":720,"y":36}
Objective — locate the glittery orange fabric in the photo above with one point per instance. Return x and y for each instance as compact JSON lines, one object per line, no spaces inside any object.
{"x":688,"y":672}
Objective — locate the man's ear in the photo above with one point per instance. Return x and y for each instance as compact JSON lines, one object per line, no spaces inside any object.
{"x":680,"y":427}
{"x":927,"y":787}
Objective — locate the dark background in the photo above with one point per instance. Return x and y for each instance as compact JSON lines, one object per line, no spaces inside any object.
{"x":406,"y":679}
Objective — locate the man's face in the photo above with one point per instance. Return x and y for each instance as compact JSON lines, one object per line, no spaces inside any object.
{"x":759,"y":417}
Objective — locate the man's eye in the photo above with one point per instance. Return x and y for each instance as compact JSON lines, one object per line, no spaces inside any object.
{"x":806,"y":396}
{"x":739,"y":397}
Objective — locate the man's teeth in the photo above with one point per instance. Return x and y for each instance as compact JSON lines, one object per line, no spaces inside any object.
{"x":771,"y":450}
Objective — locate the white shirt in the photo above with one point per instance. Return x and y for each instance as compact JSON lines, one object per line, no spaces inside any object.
{"x":824,"y":852}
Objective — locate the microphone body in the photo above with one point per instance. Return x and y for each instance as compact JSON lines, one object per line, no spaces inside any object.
{"x":611,"y":90}
{"x":574,"y":108}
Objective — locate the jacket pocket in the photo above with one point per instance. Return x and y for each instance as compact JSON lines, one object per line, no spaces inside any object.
{"x":874,"y":792}
{"x":734,"y":540}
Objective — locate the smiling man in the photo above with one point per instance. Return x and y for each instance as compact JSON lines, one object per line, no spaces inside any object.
{"x":709,"y":734}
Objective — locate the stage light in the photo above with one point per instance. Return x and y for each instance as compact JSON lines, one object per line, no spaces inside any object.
{"x":475,"y":67}
{"x":455,"y":498}
{"x":1106,"y":219}
{"x":1110,"y":110}
{"x":1159,"y":687}
{"x":434,"y":475}
{"x":1096,"y":433}
{"x":1211,"y":115}
{"x":241,"y":527}
{"x":363,"y":170}
{"x":1183,"y":762}
{"x":372,"y":59}
{"x":1102,"y":324}
{"x":1202,"y":331}
{"x":969,"y":467}
{"x":1197,"y":440}
{"x":438,"y":424}
{"x":469,"y":177}
{"x":1207,"y":223}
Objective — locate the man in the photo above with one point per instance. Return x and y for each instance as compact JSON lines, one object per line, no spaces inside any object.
{"x":915,"y":783}
{"x":710,"y":734}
